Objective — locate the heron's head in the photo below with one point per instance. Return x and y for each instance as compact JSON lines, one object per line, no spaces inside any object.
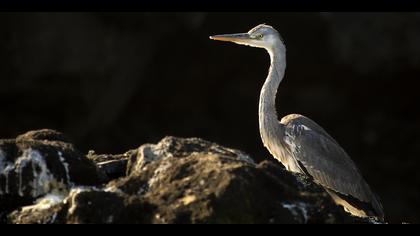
{"x":261,"y":36}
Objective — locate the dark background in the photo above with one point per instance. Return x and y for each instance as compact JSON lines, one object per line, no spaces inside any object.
{"x":113,"y":81}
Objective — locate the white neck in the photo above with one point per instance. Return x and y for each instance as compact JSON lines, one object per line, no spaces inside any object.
{"x":268,"y":120}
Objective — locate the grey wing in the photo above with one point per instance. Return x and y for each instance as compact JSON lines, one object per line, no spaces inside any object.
{"x":323,"y":158}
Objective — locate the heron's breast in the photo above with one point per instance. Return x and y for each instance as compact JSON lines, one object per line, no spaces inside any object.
{"x":279,"y":151}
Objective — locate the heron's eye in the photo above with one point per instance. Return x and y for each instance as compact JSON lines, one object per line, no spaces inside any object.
{"x":257,"y":36}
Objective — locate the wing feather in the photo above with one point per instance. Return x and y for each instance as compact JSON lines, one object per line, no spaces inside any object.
{"x":323,"y":158}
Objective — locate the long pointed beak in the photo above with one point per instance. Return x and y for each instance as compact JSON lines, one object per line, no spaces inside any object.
{"x":236,"y":38}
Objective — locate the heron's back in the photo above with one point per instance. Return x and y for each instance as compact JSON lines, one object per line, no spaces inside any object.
{"x":315,"y":151}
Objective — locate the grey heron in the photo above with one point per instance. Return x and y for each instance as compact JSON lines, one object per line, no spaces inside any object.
{"x":299,"y":143}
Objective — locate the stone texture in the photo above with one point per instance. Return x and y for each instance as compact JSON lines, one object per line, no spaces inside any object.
{"x":40,"y":162}
{"x":178,"y":180}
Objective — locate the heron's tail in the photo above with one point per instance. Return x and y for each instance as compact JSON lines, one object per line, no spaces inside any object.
{"x":354,"y":206}
{"x":377,"y":206}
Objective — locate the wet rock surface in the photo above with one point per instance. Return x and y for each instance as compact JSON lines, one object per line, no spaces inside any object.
{"x":178,"y":180}
{"x":38,"y":163}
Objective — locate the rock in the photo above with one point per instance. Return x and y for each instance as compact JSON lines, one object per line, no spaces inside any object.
{"x":186,"y":180}
{"x":40,"y":162}
{"x":111,"y":207}
{"x":195,"y":181}
{"x":177,"y":147}
{"x":111,"y":166}
{"x":43,"y":134}
{"x":46,"y":210}
{"x":86,"y":206}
